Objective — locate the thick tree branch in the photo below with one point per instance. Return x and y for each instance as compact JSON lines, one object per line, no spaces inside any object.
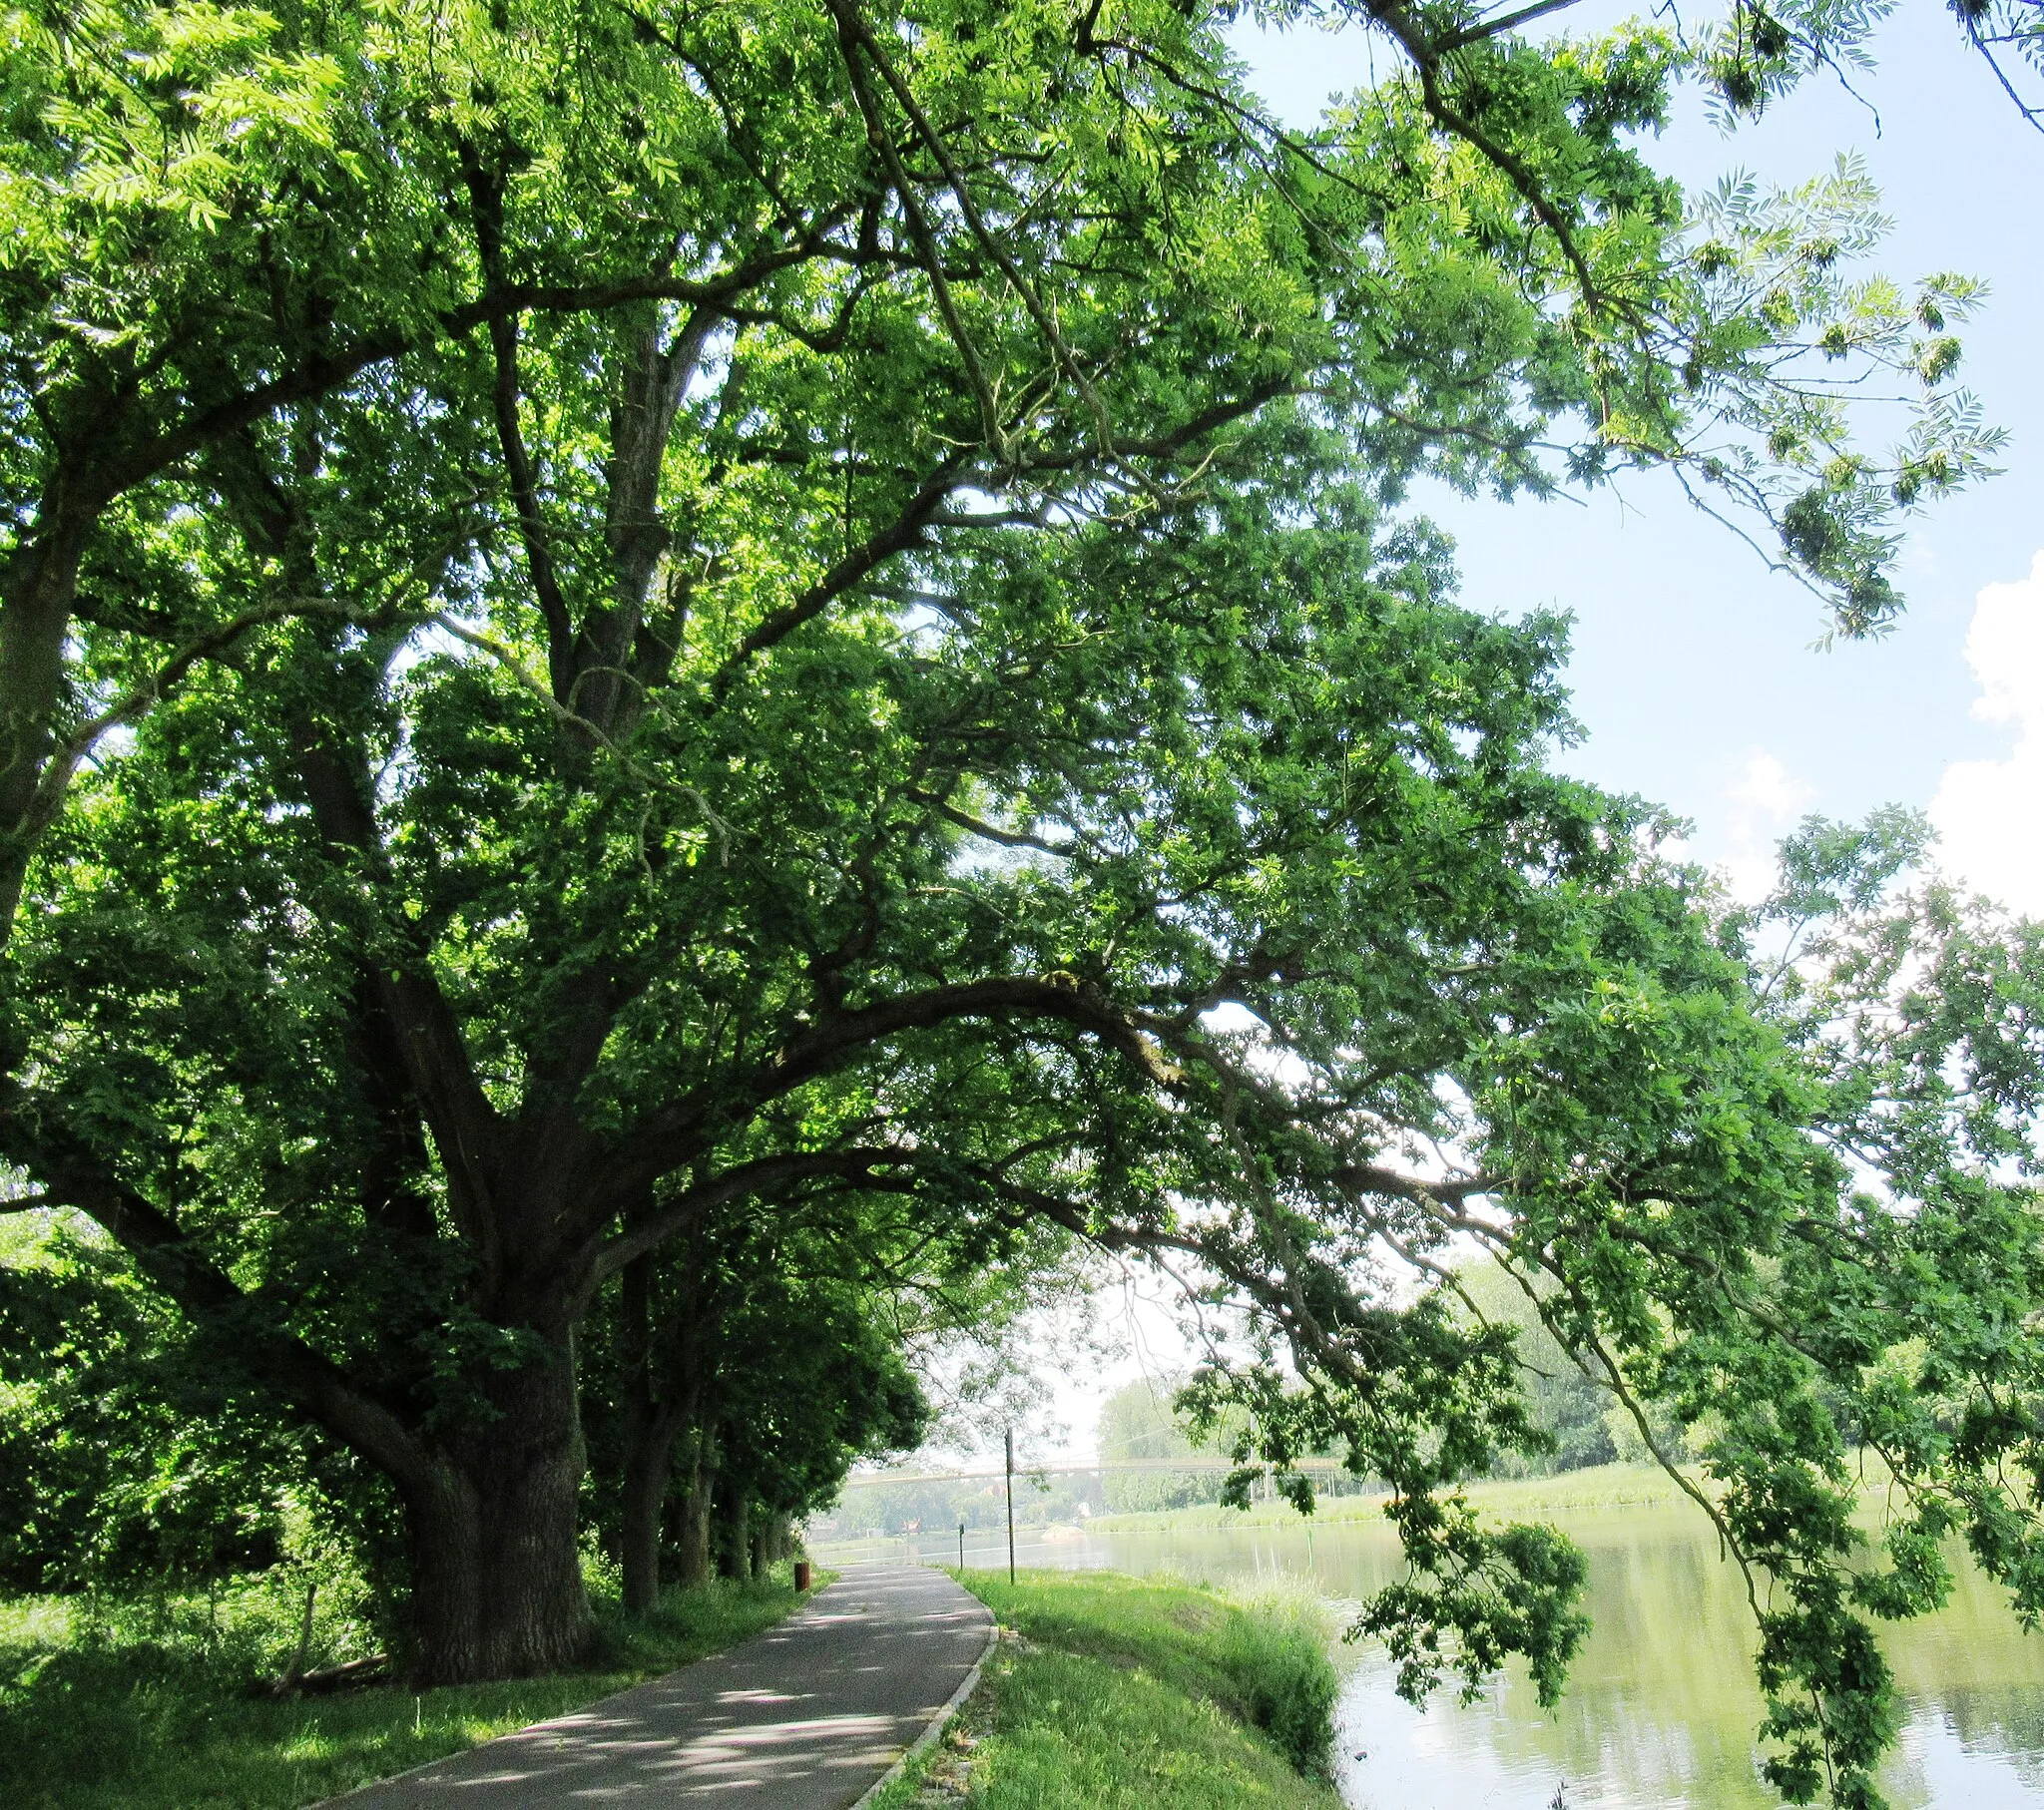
{"x":64,"y":760}
{"x":1061,"y":997}
{"x":1006,"y":839}
{"x":766,"y":1175}
{"x":274,"y":1355}
{"x":329,"y":371}
{"x":486,"y":194}
{"x":905,"y":532}
{"x":852,"y":22}
{"x":1495,"y":28}
{"x":1426,"y":56}
{"x":335,"y":774}
{"x":654,"y":381}
{"x":532,"y":526}
{"x":465,"y":1126}
{"x":1170,"y":444}
{"x":681,"y":1134}
{"x":851,"y":44}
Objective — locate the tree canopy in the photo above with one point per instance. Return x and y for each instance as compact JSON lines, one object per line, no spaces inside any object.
{"x":669,"y":668}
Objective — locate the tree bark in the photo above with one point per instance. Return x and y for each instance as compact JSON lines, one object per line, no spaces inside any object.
{"x":693,"y":1549}
{"x":645,"y":1458}
{"x":37,"y":589}
{"x":734,"y":1547}
{"x":496,"y":1567}
{"x":648,"y":1465}
{"x":649,"y":1472}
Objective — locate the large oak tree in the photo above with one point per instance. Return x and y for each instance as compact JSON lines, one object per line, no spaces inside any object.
{"x":731,"y":606}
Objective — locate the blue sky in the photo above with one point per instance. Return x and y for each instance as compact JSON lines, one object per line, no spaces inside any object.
{"x":1693,"y":668}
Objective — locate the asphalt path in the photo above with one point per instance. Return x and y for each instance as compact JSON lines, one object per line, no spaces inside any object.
{"x":809,"y":1715}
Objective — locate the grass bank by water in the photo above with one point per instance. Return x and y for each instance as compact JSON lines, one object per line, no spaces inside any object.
{"x":1116,"y":1693}
{"x":150,"y":1709}
{"x":1600,"y":1487}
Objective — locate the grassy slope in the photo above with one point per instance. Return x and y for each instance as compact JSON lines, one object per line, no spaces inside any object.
{"x":141,"y":1727}
{"x":1122,"y":1694}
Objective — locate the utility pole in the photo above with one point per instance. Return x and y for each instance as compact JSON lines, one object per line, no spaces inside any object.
{"x":1011,"y":1505}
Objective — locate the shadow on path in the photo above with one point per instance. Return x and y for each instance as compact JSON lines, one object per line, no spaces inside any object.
{"x":806,"y":1716}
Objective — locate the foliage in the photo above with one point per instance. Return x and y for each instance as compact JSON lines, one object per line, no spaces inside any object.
{"x":1760,"y":53}
{"x":1574,"y":1413}
{"x":1898,"y":1026}
{"x":1918,"y":1009}
{"x":779,"y":1339}
{"x":125,"y":1465}
{"x":213,"y":215}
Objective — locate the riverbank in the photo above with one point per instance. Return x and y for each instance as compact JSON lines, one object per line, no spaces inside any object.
{"x":148,"y":1707}
{"x":1618,"y":1488}
{"x":1122,"y":1693}
{"x":1599,"y":1489}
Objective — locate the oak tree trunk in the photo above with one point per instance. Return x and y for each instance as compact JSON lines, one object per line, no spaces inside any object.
{"x":496,"y":1563}
{"x":735,"y":1545}
{"x":38,"y":585}
{"x":649,"y":1472}
{"x":650,"y":1428}
{"x":645,"y":1496}
{"x":691,"y":1549}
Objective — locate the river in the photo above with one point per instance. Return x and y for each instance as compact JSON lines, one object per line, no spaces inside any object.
{"x":1661,"y":1705}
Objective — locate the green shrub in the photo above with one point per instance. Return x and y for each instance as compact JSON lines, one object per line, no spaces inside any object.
{"x":1279,"y":1666}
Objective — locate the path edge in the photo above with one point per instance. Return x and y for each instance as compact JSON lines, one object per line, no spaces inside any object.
{"x":936,"y":1723}
{"x":393,"y":1778}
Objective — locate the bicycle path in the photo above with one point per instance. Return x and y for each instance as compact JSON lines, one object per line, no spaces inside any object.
{"x":809,"y":1715}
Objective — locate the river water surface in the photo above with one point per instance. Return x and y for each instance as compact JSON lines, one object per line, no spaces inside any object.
{"x":1661,"y":1705}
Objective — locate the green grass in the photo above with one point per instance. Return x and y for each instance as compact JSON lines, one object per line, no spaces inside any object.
{"x":1128,"y":1694}
{"x":145,"y":1713}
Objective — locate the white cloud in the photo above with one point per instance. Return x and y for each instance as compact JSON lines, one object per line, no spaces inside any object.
{"x":1768,"y":795}
{"x":1989,"y":814}
{"x":1766,"y":804}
